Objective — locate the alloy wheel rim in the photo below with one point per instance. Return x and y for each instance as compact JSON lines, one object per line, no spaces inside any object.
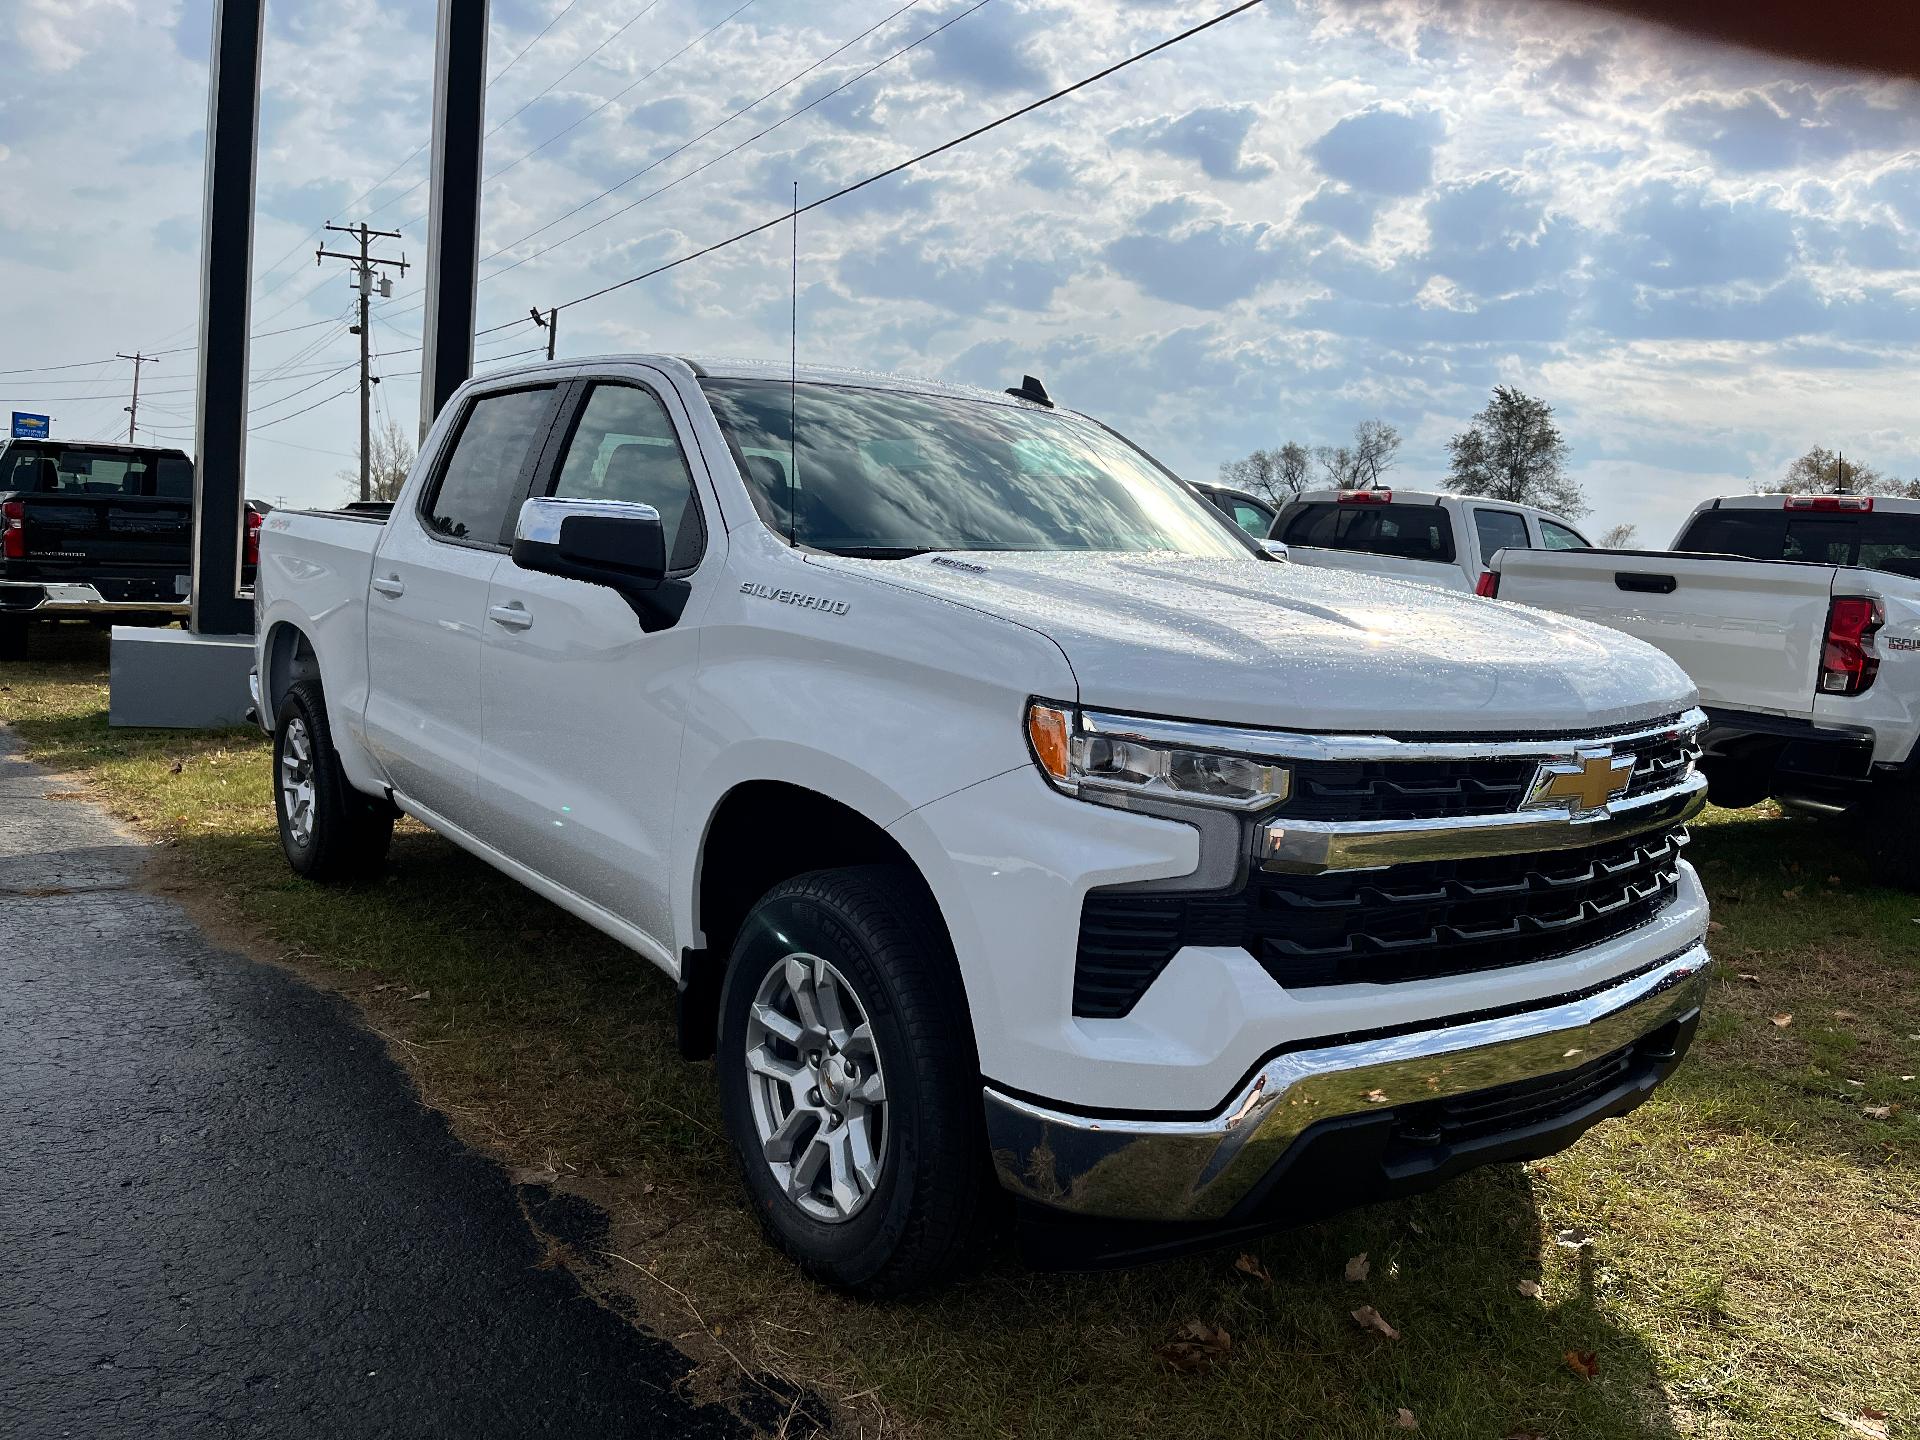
{"x":296,"y":781}
{"x":818,"y":1090}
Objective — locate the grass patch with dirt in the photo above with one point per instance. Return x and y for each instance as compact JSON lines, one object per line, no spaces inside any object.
{"x":1753,"y":1232}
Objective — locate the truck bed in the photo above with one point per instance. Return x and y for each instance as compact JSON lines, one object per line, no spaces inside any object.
{"x":1750,"y":633}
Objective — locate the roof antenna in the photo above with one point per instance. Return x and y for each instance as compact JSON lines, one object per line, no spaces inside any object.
{"x":793,"y":381}
{"x":1031,"y":389}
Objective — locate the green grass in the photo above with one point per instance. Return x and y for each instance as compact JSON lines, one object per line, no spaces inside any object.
{"x":1755,"y":1250}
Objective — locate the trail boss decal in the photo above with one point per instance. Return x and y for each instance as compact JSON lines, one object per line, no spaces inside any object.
{"x":794,"y":597}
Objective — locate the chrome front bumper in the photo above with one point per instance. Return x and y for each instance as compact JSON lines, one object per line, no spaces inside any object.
{"x":58,"y":598}
{"x":1203,"y":1170}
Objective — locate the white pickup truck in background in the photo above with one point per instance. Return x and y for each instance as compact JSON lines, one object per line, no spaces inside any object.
{"x":1007,"y":819}
{"x":1798,"y":616}
{"x":1423,"y":535}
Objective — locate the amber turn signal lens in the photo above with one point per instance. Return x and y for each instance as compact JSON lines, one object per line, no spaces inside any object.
{"x":1050,"y":732}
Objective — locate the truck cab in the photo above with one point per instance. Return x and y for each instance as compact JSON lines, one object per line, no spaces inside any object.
{"x":1426,"y":536}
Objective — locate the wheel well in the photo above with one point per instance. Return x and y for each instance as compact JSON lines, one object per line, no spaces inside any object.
{"x":738,"y":865}
{"x":290,"y":658}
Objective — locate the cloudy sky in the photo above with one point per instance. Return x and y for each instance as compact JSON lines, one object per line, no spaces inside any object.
{"x":1315,"y":213}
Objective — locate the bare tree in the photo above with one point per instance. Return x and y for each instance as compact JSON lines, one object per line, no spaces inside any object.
{"x":391,"y":460}
{"x":1276,"y":476}
{"x":1825,"y":472}
{"x":1514,"y":452}
{"x":1620,"y":537}
{"x":1376,"y":449}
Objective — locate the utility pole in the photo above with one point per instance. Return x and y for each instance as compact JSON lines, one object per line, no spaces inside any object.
{"x":133,"y":410}
{"x":363,"y":273}
{"x":550,"y":322}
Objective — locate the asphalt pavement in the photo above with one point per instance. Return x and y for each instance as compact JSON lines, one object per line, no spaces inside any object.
{"x":225,"y":1212}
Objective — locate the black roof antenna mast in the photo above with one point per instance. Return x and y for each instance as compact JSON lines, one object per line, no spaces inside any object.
{"x":1031,"y":389}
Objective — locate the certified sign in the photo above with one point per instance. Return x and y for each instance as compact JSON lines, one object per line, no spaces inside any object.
{"x":31,"y":427}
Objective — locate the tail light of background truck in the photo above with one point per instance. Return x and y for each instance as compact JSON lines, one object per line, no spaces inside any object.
{"x":250,"y":551}
{"x":1847,"y":661}
{"x":13,"y":530}
{"x":1487,"y":587}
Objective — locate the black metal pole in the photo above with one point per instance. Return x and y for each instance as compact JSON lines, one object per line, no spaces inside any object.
{"x":453,"y":212}
{"x":226,"y":269}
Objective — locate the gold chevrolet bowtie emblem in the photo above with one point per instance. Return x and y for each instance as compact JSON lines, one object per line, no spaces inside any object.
{"x":1582,"y":786}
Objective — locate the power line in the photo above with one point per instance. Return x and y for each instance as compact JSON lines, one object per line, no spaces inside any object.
{"x":500,"y":74}
{"x":716,"y":159}
{"x":689,"y":144}
{"x":554,"y":85}
{"x":787,"y":215}
{"x":363,"y":269}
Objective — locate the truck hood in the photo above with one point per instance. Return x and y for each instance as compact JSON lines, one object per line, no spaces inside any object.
{"x":1292,"y":647}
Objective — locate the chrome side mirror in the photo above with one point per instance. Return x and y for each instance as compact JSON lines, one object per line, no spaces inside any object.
{"x":615,"y":543}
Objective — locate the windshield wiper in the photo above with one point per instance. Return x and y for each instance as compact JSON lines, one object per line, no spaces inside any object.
{"x":879,"y":552}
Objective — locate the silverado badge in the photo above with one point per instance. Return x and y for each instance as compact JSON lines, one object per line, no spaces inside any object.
{"x":1583,"y":786}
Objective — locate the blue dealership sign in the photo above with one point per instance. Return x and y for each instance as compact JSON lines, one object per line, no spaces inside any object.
{"x":31,"y":427}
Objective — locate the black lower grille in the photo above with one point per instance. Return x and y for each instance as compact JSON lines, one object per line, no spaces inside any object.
{"x":1408,"y":923}
{"x":1523,"y":1103}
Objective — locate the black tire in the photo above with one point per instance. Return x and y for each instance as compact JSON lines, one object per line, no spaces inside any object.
{"x":1885,"y":828}
{"x":340,"y":835}
{"x":13,"y":638}
{"x":931,"y":1202}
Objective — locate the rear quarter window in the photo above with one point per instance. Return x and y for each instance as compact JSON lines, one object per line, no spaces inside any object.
{"x":1880,"y":540}
{"x":1405,"y":532}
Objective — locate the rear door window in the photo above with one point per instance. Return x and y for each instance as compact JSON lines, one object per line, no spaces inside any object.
{"x":1256,"y":520}
{"x":1406,"y":532}
{"x":1499,"y":530}
{"x":478,"y":494}
{"x":1554,"y":536}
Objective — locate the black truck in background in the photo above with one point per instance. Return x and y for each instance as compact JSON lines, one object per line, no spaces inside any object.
{"x":96,"y":531}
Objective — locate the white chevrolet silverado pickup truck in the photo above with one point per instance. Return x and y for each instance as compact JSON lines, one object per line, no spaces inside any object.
{"x":1006,"y":820}
{"x":1798,"y":617}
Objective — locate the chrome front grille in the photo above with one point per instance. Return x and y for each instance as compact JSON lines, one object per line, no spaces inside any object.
{"x":1388,"y":865}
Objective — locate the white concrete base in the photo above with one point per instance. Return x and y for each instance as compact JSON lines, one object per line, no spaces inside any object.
{"x":176,"y":680}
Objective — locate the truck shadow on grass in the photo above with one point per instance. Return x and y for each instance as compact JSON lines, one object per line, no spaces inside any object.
{"x":555,"y":1049}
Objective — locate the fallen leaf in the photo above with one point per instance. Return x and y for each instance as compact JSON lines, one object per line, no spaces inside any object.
{"x":1583,"y":1363}
{"x":1248,"y":1265}
{"x":1749,"y":977}
{"x":177,"y":768}
{"x":1573,"y":1238}
{"x":1878,"y":1112}
{"x":1715,"y":926}
{"x":1793,"y":894}
{"x":1368,"y":1318}
{"x":1870,"y":1423}
{"x":1783,"y":1020}
{"x":1531,"y":1289}
{"x":1199,"y":1346}
{"x":421,"y":995}
{"x":1845,"y":1015}
{"x":1403,"y":1419}
{"x":1358,"y":1267}
{"x":1376,"y":1097}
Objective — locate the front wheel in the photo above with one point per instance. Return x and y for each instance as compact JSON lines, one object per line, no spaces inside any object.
{"x":328,"y":830}
{"x":849,"y":1082}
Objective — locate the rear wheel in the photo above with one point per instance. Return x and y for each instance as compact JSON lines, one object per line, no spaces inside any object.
{"x":1885,"y":827}
{"x":849,"y":1082}
{"x":13,"y":637}
{"x":328,"y":830}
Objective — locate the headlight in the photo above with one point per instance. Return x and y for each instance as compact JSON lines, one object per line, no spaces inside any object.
{"x":1077,"y":761}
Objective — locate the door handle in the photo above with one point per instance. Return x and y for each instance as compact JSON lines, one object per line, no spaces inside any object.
{"x":511,"y":617}
{"x":390,"y":586}
{"x":1645,"y":584}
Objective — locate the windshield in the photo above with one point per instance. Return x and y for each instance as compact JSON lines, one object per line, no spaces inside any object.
{"x":885,"y":473}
